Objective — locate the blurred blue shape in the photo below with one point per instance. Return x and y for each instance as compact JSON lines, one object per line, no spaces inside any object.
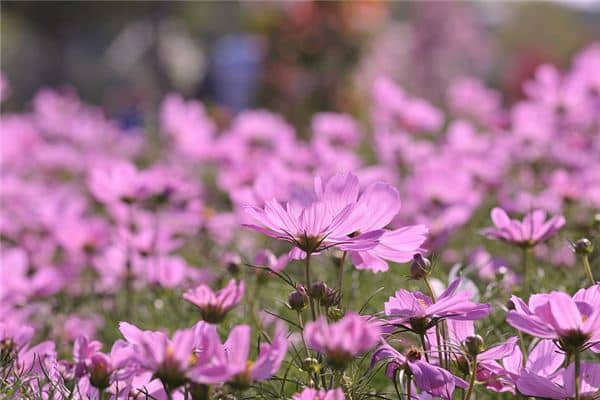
{"x":236,"y":67}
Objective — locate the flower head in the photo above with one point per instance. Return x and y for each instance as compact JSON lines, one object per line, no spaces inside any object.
{"x":229,"y":362}
{"x":311,"y":228}
{"x":341,"y":341}
{"x":419,"y":312}
{"x":373,"y":209}
{"x":561,"y":385}
{"x":215,"y":306}
{"x":573,"y":322}
{"x":532,"y":230}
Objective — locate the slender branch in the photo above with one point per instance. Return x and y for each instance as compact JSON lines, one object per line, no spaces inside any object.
{"x":311,"y":301}
{"x":588,"y":268}
{"x":577,"y":376}
{"x":472,"y":380}
{"x":341,"y":275}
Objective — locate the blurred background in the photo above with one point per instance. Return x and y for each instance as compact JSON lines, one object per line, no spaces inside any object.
{"x":291,"y":57}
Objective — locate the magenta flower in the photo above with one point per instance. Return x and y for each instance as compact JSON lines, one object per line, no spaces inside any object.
{"x":230,"y":362}
{"x":561,"y":385}
{"x":312,"y":228}
{"x":215,"y":306}
{"x":574,"y":324}
{"x":428,"y":377}
{"x":417,"y":312}
{"x":188,"y":125}
{"x":170,"y":359}
{"x":315,"y":394}
{"x":374,"y":209}
{"x":532,"y":230}
{"x":342,"y":340}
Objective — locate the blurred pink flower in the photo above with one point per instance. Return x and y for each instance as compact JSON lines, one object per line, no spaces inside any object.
{"x":532,"y":230}
{"x":215,"y":306}
{"x":343,"y":340}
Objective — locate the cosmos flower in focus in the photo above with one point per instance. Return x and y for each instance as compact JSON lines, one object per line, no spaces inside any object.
{"x":574,"y":323}
{"x":419,"y":312}
{"x":312,"y":228}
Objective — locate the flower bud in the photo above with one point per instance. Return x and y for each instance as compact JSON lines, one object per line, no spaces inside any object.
{"x":310,"y":364}
{"x":335,"y":313}
{"x":510,"y":305}
{"x":420,"y":267}
{"x":318,"y":290}
{"x":298,"y":299}
{"x":474,"y":345}
{"x":330,"y":298}
{"x":583,"y":247}
{"x":232,"y":263}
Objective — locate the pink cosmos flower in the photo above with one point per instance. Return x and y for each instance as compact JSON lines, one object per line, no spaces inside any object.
{"x":119,"y":182}
{"x":417,"y":312}
{"x":215,"y":306}
{"x":561,"y":385}
{"x":188,"y":125}
{"x":170,"y":359}
{"x":574,"y":323}
{"x":532,"y":230}
{"x":315,"y":394}
{"x":311,"y":228}
{"x":427,"y":377}
{"x":229,"y":362}
{"x":373,"y":209}
{"x":342,"y":340}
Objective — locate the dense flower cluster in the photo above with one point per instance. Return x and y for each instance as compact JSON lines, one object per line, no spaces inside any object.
{"x":132,"y":270}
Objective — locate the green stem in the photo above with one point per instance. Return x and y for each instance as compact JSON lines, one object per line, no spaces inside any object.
{"x":588,"y":268}
{"x":472,"y":380}
{"x":522,"y":346}
{"x":341,"y":275}
{"x":430,"y":289}
{"x":577,"y":375}
{"x":422,"y":336}
{"x":440,"y":344}
{"x":408,"y":388}
{"x":311,"y":302}
{"x":395,"y":380}
{"x":526,"y":253}
{"x":301,"y":323}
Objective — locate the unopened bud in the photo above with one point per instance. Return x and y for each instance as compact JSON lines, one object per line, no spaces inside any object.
{"x":310,"y":364}
{"x":420,"y":267}
{"x":510,"y":305}
{"x":583,"y":247}
{"x":318,"y":290}
{"x":297,"y":300}
{"x":335,"y":313}
{"x":474,"y":344}
{"x":330,"y":298}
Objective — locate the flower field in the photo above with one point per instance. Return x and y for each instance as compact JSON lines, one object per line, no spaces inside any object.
{"x":420,"y":250}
